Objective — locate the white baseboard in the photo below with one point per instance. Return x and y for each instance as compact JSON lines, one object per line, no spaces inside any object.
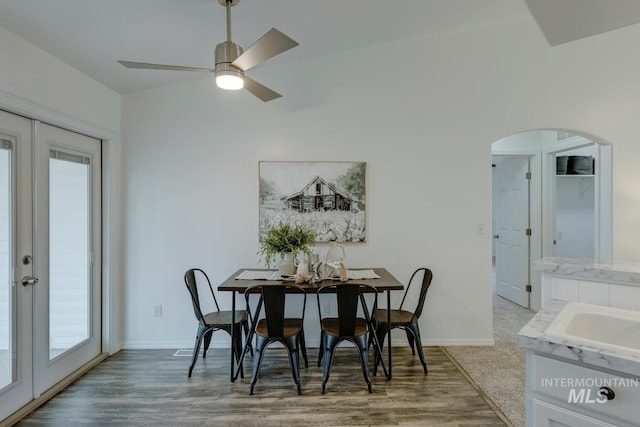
{"x":161,"y":345}
{"x":455,"y":342}
{"x":399,"y":342}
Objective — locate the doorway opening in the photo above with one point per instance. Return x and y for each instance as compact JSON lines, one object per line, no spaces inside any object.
{"x":568,"y":214}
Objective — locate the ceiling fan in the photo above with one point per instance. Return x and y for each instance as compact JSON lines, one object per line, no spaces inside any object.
{"x":231,"y":62}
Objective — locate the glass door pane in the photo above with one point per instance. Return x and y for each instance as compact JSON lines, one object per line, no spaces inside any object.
{"x":70,"y":254}
{"x":67,"y":253}
{"x":7,"y":361}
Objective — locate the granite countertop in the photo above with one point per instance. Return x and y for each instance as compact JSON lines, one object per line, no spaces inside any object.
{"x":624,"y":272}
{"x":532,"y":337}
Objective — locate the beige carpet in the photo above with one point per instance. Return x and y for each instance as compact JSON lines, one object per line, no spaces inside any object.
{"x":499,"y":370}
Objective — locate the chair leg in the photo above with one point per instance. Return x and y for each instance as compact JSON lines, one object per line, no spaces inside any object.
{"x":245,"y":326}
{"x":292,"y":347}
{"x":207,"y":341}
{"x":303,"y":346}
{"x":330,"y":344}
{"x":381,"y":332}
{"x":416,"y":335}
{"x":321,"y":352}
{"x":361,"y":343}
{"x":261,"y":344}
{"x":196,"y":348}
{"x":410,"y":339}
{"x":237,"y":348}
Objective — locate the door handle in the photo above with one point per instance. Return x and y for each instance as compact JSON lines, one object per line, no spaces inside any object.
{"x":29,"y":280}
{"x":496,"y":236}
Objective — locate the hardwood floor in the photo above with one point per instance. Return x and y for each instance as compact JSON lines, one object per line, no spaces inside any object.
{"x":150,"y":387}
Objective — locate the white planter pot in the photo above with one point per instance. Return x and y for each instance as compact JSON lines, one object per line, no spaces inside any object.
{"x":287,"y":266}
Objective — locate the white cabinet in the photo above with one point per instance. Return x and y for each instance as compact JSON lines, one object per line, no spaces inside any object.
{"x":614,"y":283}
{"x":590,"y":292}
{"x":547,"y":414}
{"x":567,"y":393}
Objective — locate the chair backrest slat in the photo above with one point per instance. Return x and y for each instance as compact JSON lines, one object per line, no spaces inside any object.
{"x":191,"y":282}
{"x":426,"y":282}
{"x":347,"y":308}
{"x":348,"y":297}
{"x":427,"y":276}
{"x":273,"y":299}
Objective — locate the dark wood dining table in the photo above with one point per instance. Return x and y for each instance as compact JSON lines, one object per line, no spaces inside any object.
{"x":386,"y":283}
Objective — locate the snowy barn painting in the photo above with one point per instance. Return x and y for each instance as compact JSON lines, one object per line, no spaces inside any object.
{"x":329,"y":198}
{"x":319,"y":195}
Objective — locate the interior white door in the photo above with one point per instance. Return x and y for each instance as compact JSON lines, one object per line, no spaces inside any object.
{"x":16,"y":308}
{"x":512,"y":223}
{"x":67,"y":253}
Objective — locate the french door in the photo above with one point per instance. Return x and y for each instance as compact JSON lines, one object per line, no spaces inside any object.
{"x":50,"y":289}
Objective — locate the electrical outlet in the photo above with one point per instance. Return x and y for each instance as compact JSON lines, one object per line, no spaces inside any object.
{"x":157,"y":310}
{"x":326,"y":309}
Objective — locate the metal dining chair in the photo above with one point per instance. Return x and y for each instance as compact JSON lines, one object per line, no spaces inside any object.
{"x":405,"y":319}
{"x":348,"y":326}
{"x":213,"y":321}
{"x":276,"y":327}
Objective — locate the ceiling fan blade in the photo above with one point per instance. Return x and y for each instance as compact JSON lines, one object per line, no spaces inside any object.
{"x":259,"y":90}
{"x":269,"y":45}
{"x":146,"y":65}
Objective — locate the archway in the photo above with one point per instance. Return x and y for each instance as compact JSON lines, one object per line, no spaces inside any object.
{"x":564,"y":211}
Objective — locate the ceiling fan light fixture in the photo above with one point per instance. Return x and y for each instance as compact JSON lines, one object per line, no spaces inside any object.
{"x":227,"y":76}
{"x":229,"y":80}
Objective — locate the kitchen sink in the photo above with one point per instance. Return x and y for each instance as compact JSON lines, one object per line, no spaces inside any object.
{"x":603,"y":327}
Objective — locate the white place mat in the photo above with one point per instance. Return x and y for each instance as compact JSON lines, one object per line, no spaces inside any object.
{"x":258,"y":275}
{"x":361,"y":274}
{"x":274,"y":275}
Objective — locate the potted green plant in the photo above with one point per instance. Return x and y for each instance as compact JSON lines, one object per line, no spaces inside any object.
{"x":285,"y":241}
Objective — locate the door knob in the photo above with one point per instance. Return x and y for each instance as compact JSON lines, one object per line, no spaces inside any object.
{"x":496,"y":236}
{"x":29,"y":280}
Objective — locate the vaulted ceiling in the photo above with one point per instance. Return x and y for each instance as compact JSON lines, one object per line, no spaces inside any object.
{"x":91,"y":35}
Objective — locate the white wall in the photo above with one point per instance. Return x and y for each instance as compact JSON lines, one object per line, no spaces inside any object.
{"x":191,"y":154}
{"x":39,"y":86}
{"x":33,"y":76}
{"x":532,"y":141}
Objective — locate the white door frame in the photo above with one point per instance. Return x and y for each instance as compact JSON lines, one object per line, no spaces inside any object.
{"x":603,"y":195}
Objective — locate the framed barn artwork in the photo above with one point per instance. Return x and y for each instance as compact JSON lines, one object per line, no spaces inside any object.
{"x":328,"y":198}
